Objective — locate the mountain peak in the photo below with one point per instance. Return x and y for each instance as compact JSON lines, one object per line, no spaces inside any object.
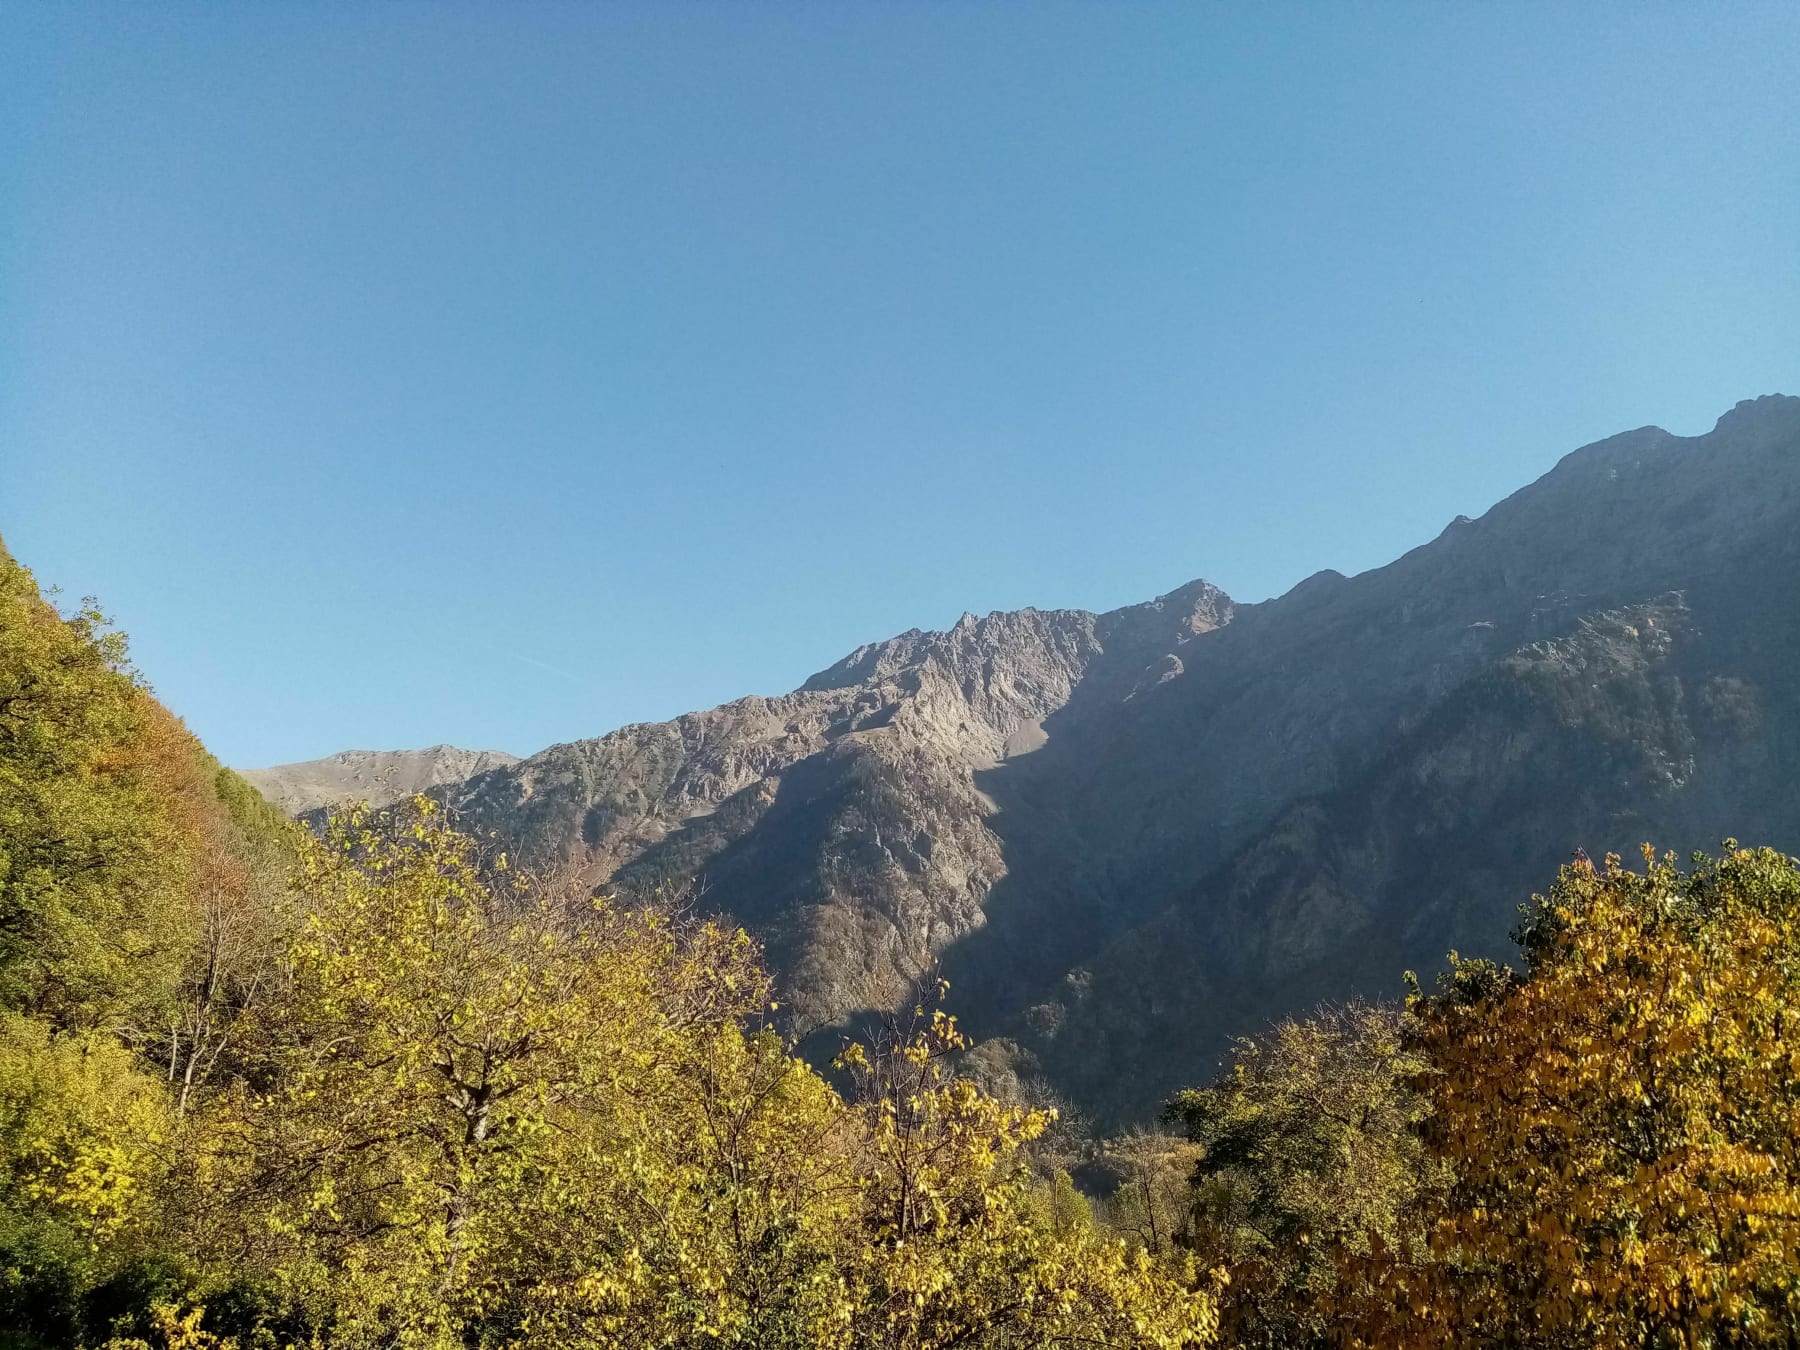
{"x":378,"y":777}
{"x":1768,"y":410}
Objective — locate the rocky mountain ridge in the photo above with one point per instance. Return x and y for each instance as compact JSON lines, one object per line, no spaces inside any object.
{"x":871,"y":763}
{"x":1127,"y":836}
{"x":1603,"y":658}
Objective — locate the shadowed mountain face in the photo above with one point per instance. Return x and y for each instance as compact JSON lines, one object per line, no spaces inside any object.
{"x":1357,"y":777}
{"x":1131,"y":835}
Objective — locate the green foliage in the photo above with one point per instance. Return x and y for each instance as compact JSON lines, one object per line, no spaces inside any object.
{"x":1057,"y":1205}
{"x":82,"y":1139}
{"x":132,"y":871}
{"x":1308,"y":1148}
{"x":458,"y":1069}
{"x":90,"y":856}
{"x":483,"y":1110}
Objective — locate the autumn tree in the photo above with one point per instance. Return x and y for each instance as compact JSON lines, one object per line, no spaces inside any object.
{"x":453,"y":1053}
{"x":114,"y":825}
{"x":952,"y":1253}
{"x":1622,"y":1119}
{"x":1151,"y":1196}
{"x":91,"y":860}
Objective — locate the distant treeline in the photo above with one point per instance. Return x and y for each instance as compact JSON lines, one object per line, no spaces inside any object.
{"x":383,"y":1088}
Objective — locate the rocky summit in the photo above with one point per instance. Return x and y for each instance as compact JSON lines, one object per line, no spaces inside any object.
{"x":1126,"y":837}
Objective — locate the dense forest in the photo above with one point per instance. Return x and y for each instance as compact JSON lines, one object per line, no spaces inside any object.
{"x":383,"y":1086}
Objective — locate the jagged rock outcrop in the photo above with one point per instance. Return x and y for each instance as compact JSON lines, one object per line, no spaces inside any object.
{"x":378,"y":777}
{"x":841,"y":823}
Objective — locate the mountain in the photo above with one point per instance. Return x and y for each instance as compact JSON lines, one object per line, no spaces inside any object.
{"x":842,"y":823}
{"x":1129,"y":836}
{"x":1606,"y":657}
{"x":375,"y":776}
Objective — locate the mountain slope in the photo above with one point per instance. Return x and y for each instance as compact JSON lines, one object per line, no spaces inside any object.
{"x":1447,"y":725}
{"x":1653,"y":722}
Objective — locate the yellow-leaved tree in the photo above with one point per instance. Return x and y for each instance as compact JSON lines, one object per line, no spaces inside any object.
{"x":1622,"y":1121}
{"x":480,"y":1110}
{"x":953,"y":1248}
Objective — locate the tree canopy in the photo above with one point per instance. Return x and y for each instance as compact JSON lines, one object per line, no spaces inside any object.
{"x":1308,"y":1148}
{"x":1621,"y":1119}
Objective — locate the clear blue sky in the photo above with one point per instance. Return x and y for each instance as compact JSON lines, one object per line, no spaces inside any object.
{"x":500,"y":374}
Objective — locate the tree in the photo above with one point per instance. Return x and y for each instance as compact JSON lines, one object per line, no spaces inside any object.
{"x":118,"y":834}
{"x":1307,"y":1149}
{"x":92,"y":859}
{"x":1621,"y":1119}
{"x":950,"y":1254}
{"x":83,"y":1140}
{"x":457,"y":1064}
{"x":1152,"y":1196}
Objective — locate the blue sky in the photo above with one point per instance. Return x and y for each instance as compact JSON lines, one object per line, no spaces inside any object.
{"x":501,"y":374}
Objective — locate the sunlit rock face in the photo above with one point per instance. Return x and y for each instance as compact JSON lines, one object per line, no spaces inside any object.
{"x":852,"y":825}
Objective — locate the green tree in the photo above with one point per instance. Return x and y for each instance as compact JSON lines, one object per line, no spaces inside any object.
{"x":92,"y":860}
{"x":133,"y":872}
{"x":482,"y":1109}
{"x":1308,"y":1148}
{"x":455,"y":1065}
